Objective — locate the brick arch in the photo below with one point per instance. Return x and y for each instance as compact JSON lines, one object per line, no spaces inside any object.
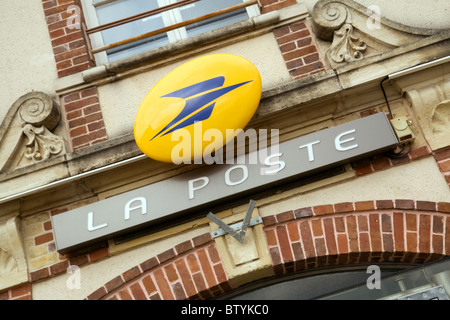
{"x":404,"y":231}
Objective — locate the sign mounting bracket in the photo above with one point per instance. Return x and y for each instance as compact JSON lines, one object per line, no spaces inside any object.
{"x":237,"y":230}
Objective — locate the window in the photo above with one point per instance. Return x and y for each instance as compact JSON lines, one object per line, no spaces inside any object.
{"x":101,"y":12}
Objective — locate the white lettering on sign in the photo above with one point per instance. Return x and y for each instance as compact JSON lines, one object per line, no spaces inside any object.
{"x":197,"y":189}
{"x":191,"y":187}
{"x":310,"y":149}
{"x":90,"y":224}
{"x":244,"y":175}
{"x":142,"y":206}
{"x":338,"y":142}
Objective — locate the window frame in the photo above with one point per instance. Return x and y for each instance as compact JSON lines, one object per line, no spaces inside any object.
{"x":169,"y":17}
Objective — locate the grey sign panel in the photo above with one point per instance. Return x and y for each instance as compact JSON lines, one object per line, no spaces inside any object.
{"x":211,"y":185}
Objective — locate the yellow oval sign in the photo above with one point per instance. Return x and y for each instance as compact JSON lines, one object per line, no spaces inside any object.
{"x":197,"y":108}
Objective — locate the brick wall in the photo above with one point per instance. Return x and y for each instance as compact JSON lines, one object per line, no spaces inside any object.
{"x":299,"y":50}
{"x":84,"y":118}
{"x":349,"y":233}
{"x":271,"y":5}
{"x":399,"y":230}
{"x":69,"y":44}
{"x":81,"y":109}
{"x":191,"y":270}
{"x":442,"y":157}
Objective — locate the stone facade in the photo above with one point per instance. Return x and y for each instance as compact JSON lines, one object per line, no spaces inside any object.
{"x":324,"y":63}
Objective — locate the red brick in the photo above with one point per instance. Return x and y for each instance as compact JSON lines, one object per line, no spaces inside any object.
{"x":220,"y":273}
{"x":171,"y":273}
{"x":386,"y":224}
{"x":275,"y":256}
{"x":443,"y":207}
{"x":163,"y":285}
{"x":124,"y":295}
{"x":166,"y":255}
{"x":193,"y":263}
{"x":293,"y":37}
{"x":57,"y":33}
{"x":199,"y":282}
{"x":202,"y":239}
{"x":297,"y":251}
{"x":311,"y":58}
{"x":438,"y":224}
{"x":411,"y":222}
{"x":99,"y":254}
{"x":285,"y":246}
{"x":342,"y":242}
{"x":73,"y":70}
{"x":375,"y":232}
{"x":399,"y":231}
{"x":288,"y":47}
{"x":444,"y":165}
{"x":298,"y":26}
{"x":405,"y":204}
{"x":364,"y":206}
{"x":304,"y":42}
{"x":364,"y":242}
{"x":437,"y":244}
{"x":362,"y":167}
{"x":411,"y":242}
{"x":424,"y":233}
{"x":308,"y":68}
{"x":388,"y":242}
{"x":285,"y":216}
{"x":362,"y":223}
{"x":420,"y":152}
{"x":321,"y":249}
{"x":149,"y":285}
{"x":137,"y":292}
{"x":324,"y":209}
{"x":343,"y":207}
{"x":339,"y":224}
{"x":316,"y":226}
{"x":67,"y":39}
{"x":442,"y":154}
{"x":329,"y":236}
{"x":78,"y":131}
{"x":269,"y":220}
{"x":131,"y":274}
{"x":43,"y":238}
{"x":114,"y":284}
{"x":352,"y":232}
{"x":39,"y":274}
{"x":294,"y":234}
{"x":294,"y":64}
{"x":21,"y":290}
{"x":58,"y":268}
{"x":178,"y":291}
{"x":384,"y":204}
{"x":271,"y":237}
{"x":92,"y":91}
{"x":149,"y":264}
{"x":280,"y":32}
{"x":307,"y":240}
{"x":426,"y":205}
{"x":206,"y":268}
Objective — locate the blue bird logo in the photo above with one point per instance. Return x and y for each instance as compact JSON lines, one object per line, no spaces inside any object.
{"x":197,"y":102}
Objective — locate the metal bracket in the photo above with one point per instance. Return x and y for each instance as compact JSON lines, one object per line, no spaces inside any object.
{"x":237,"y":226}
{"x":236,"y":230}
{"x":435,"y":293}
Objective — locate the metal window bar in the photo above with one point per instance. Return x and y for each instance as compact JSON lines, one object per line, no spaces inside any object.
{"x":165,"y":29}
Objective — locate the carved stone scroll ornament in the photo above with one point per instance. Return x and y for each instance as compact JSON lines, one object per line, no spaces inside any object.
{"x":40,"y":116}
{"x":332,"y":22}
{"x":33,"y":117}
